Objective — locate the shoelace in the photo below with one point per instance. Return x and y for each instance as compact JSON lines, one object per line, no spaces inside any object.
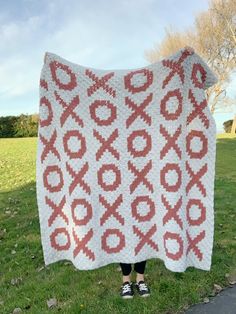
{"x":126,"y":288}
{"x":143,"y":286}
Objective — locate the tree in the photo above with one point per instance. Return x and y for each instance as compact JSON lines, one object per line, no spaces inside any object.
{"x":7,"y":128}
{"x":26,"y":125}
{"x":213,"y":36}
{"x":19,"y":126}
{"x":215,"y":40}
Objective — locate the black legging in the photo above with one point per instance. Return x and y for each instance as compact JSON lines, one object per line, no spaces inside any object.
{"x":138,"y":267}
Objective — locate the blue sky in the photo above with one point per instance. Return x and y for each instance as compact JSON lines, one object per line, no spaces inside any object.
{"x":104,"y":34}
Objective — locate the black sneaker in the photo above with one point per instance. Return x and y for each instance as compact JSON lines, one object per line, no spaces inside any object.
{"x":126,"y":290}
{"x":142,"y":288}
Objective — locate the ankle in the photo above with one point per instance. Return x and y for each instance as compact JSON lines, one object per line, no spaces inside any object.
{"x":126,"y":278}
{"x":139,"y":277}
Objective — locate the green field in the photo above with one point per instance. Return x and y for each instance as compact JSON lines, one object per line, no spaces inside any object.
{"x":26,"y":284}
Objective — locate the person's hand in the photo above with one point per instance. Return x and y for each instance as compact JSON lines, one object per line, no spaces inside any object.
{"x":190,"y":49}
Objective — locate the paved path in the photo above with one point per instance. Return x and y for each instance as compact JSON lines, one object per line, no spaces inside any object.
{"x":223,"y":303}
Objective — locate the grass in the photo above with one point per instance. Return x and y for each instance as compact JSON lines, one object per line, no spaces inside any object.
{"x":26,"y":284}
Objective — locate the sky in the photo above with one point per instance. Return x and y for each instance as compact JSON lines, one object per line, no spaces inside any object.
{"x":104,"y":34}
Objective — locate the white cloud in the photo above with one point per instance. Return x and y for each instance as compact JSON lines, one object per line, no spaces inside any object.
{"x":100,"y":34}
{"x":17,"y":77}
{"x":16,"y":34}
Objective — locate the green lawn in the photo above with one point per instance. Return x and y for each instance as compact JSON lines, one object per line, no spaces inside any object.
{"x":26,"y":284}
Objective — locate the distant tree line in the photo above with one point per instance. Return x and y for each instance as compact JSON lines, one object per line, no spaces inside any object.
{"x":19,"y":126}
{"x":27,"y":126}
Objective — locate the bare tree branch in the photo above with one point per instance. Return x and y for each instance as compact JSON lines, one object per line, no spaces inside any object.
{"x":213,"y":36}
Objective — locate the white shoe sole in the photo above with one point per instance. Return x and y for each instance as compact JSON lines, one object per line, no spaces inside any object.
{"x":127,"y":297}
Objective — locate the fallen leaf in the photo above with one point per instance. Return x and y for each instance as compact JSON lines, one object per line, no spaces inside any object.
{"x":52,"y":303}
{"x":16,"y":281}
{"x":232,"y":279}
{"x":217,"y":288}
{"x":40,"y":268}
{"x":17,"y":310}
{"x":206,"y":300}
